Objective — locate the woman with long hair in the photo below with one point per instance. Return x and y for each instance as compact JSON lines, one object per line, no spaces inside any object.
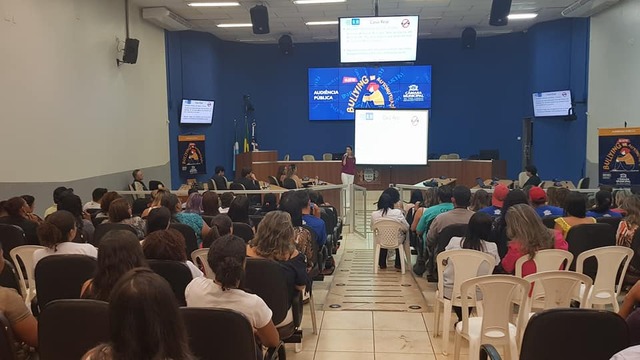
{"x":292,"y":173}
{"x":17,"y":214}
{"x":603,"y":205}
{"x":156,"y":201}
{"x":168,"y":245}
{"x":31,"y":215}
{"x":195,"y":221}
{"x":627,"y":231}
{"x":210,"y":203}
{"x":430,"y":199}
{"x":275,"y":240}
{"x":386,"y":210}
{"x":144,"y":321}
{"x":239,"y":210}
{"x":56,"y":233}
{"x":499,"y":228}
{"x":575,"y":213}
{"x":558,"y":196}
{"x":528,"y":236}
{"x":119,"y":251}
{"x":105,"y":202}
{"x":269,"y":203}
{"x":619,"y":197}
{"x":72,"y":203}
{"x":120,"y":213}
{"x":480,"y":200}
{"x":194,"y":204}
{"x":227,"y":259}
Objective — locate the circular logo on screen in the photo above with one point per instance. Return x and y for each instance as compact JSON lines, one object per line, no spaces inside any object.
{"x":405,"y":23}
{"x":415,"y":121}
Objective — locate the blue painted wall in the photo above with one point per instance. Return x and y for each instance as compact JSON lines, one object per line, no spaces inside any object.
{"x":479,"y":97}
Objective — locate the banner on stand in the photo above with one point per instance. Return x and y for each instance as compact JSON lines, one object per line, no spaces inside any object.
{"x":191,"y":154}
{"x":619,"y":156}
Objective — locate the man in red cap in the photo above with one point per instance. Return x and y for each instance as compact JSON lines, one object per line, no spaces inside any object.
{"x":499,"y":194}
{"x":538,"y":199}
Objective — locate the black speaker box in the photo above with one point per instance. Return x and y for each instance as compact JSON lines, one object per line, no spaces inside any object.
{"x":285,"y":43}
{"x":130,"y":51}
{"x":259,"y":19}
{"x":469,"y":38}
{"x":500,"y":9}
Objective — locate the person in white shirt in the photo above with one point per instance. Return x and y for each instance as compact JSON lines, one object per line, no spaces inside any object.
{"x":386,"y":210}
{"x":168,"y":245}
{"x":227,"y":258}
{"x":56,"y":233}
{"x":479,"y":229}
{"x":96,"y":196}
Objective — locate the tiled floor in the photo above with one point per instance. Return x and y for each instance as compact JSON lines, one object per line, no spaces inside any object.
{"x":369,"y":335}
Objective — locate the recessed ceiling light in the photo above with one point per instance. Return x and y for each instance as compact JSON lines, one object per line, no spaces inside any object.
{"x":523,"y":16}
{"x":214,"y":4}
{"x":314,"y":23}
{"x":234,"y":25}
{"x":311,"y":2}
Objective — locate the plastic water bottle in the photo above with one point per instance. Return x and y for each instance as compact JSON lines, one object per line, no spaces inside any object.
{"x":317,"y":181}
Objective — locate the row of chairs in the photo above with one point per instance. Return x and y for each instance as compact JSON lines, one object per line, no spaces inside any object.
{"x":213,"y":333}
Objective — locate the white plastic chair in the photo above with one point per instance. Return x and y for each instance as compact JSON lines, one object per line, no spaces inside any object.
{"x":522,"y":178}
{"x":203,"y":256}
{"x":390,"y":234}
{"x":494,"y":326}
{"x":546,"y":260}
{"x":24,"y":254}
{"x":556,"y":289}
{"x":605,"y":289}
{"x":466,"y":265}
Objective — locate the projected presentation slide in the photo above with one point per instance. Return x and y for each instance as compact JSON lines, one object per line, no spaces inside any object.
{"x":196,"y":112}
{"x":378,"y":39}
{"x":556,"y":103}
{"x":335,"y":93}
{"x":380,"y":133}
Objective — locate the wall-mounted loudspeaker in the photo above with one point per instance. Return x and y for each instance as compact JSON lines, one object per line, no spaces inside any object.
{"x":500,"y":9}
{"x":469,"y":38}
{"x":130,"y":55}
{"x":285,"y":43}
{"x":259,"y":19}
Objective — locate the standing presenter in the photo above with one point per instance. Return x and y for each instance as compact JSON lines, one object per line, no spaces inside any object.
{"x":348,"y":170}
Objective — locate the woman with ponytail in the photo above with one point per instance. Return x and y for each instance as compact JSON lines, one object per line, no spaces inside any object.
{"x":227,"y":260}
{"x":17,"y":214}
{"x":56,"y":233}
{"x":604,"y":202}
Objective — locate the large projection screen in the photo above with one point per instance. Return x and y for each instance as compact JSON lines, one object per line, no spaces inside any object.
{"x":391,"y":136}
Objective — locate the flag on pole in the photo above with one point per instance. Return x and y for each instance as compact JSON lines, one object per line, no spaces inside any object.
{"x":246,"y":135}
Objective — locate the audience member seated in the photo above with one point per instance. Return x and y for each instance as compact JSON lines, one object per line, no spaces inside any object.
{"x":532,"y":173}
{"x":500,"y":192}
{"x":557,"y":196}
{"x":221,"y":225}
{"x":120,"y":213}
{"x":292,"y":173}
{"x":239,"y":210}
{"x":479,"y":230}
{"x":3,"y":209}
{"x":72,"y":203}
{"x":619,"y":197}
{"x":269,"y":203}
{"x":156,"y":201}
{"x":539,"y":202}
{"x":31,"y":215}
{"x":139,"y":206}
{"x":311,"y":216}
{"x":168,"y":245}
{"x":199,"y":226}
{"x":414,"y":201}
{"x":194,"y":204}
{"x":499,"y":226}
{"x":627,"y":231}
{"x":225,"y":202}
{"x":528,"y":235}
{"x":459,"y":215}
{"x":144,"y":322}
{"x":158,"y":219}
{"x":603,"y":206}
{"x":576,"y":213}
{"x":387,"y":212}
{"x":105,"y":202}
{"x":23,"y":325}
{"x":249,"y":181}
{"x":302,"y":237}
{"x":57,"y":193}
{"x":395,"y":197}
{"x":210,"y":204}
{"x":430,"y":199}
{"x":119,"y":251}
{"x":282,"y":173}
{"x":17,"y":210}
{"x":630,"y":310}
{"x":56,"y":233}
{"x":226,"y":258}
{"x":138,"y":184}
{"x":218,"y":179}
{"x":275,"y":240}
{"x":422,"y":228}
{"x":480,"y":200}
{"x":96,"y":196}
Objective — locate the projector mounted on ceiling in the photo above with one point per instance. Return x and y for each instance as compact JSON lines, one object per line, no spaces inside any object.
{"x":165,"y":19}
{"x":586,"y":8}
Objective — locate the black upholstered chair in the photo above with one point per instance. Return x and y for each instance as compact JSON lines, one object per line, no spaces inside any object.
{"x":67,"y":329}
{"x":289,"y":183}
{"x":104,"y":228}
{"x":586,"y":237}
{"x":177,"y":275}
{"x":550,"y":221}
{"x":243,"y":231}
{"x":190,"y":238}
{"x":11,"y":237}
{"x":62,"y":277}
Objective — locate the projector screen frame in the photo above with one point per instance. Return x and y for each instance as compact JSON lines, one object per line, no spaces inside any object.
{"x":426,"y":137}
{"x":377,"y":62}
